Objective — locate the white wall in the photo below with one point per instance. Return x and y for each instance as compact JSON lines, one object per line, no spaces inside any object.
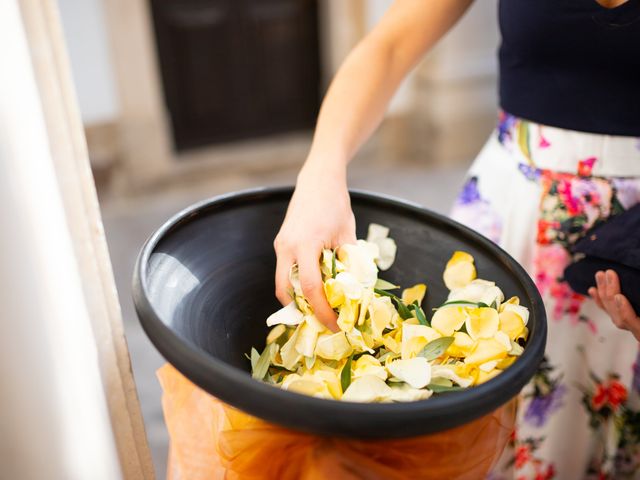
{"x":86,"y":37}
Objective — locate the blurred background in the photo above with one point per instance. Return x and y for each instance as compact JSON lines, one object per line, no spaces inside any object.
{"x":183,"y":100}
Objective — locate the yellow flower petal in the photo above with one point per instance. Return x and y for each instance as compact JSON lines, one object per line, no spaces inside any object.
{"x":381,"y":312}
{"x":390,"y":343}
{"x":482,"y":322}
{"x":275,"y":333}
{"x":506,"y":362}
{"x":359,"y":342}
{"x":486,"y":349}
{"x":488,"y":366}
{"x":447,"y":320}
{"x":367,"y":296}
{"x":414,"y":338}
{"x":511,"y":323}
{"x":306,"y":341}
{"x":348,"y":315}
{"x":306,"y":386}
{"x":367,"y":389}
{"x":453,"y":373}
{"x":290,"y":356}
{"x":334,"y":293}
{"x":522,"y":312}
{"x":411,"y":347}
{"x":369,"y":365}
{"x":483,"y":377}
{"x":459,"y":270}
{"x":415,"y":293}
{"x":462,"y":345}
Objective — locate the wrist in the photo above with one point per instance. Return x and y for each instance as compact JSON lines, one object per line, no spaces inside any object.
{"x":324,"y":166}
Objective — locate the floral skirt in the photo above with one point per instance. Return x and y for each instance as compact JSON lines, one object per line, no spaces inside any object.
{"x":535,"y":190}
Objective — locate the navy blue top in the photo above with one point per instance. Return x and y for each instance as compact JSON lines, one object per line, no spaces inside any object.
{"x":571,"y":64}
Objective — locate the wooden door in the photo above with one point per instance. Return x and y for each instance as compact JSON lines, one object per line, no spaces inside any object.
{"x":235,"y":69}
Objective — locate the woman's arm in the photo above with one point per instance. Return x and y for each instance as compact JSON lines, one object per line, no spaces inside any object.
{"x":319,"y":214}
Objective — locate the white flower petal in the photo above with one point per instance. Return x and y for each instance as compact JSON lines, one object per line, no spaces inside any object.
{"x":414,"y":371}
{"x":405,"y":393}
{"x":446,"y":371}
{"x":377,"y":232}
{"x":359,"y":260}
{"x":368,"y":388}
{"x":289,"y":315}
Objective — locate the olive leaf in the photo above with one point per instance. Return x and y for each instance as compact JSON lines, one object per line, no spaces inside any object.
{"x":435,"y":348}
{"x":262,"y":364}
{"x":459,"y":302}
{"x":384,"y":285}
{"x":345,"y":375}
{"x":333,"y":265}
{"x":403,"y":310}
{"x":435,"y":388}
{"x":419,"y":314}
{"x":254,"y":358}
{"x":441,"y":382}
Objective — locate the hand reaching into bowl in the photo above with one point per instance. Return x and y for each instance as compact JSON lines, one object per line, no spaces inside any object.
{"x":608,"y":297}
{"x":319,"y":216}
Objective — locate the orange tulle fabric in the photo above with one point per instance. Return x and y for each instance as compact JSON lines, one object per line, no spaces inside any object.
{"x":211,"y":440}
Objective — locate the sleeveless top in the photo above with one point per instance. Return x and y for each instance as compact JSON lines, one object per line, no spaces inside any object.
{"x":571,"y":64}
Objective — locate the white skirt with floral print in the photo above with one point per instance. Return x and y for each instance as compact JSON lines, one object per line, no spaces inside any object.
{"x":535,"y":190}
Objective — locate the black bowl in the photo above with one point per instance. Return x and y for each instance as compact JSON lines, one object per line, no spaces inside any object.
{"x":204,"y":285}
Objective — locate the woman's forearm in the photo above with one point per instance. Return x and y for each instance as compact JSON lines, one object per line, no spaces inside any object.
{"x":366,"y":81}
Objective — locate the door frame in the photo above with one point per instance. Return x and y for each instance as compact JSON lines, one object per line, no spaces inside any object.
{"x":145,"y":144}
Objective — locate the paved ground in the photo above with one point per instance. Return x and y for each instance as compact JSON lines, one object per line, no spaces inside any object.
{"x":128,"y":222}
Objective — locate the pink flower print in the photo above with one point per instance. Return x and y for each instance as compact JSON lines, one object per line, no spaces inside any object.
{"x":544,"y":143}
{"x":585,"y":167}
{"x":549,"y":264}
{"x":566,"y":196}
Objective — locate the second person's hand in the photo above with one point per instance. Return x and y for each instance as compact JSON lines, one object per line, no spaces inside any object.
{"x":319,"y":216}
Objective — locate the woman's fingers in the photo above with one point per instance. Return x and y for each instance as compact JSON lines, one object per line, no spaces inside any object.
{"x":283,"y":266}
{"x":607,"y":296}
{"x":312,"y":288}
{"x":612,"y":285}
{"x":627,"y":315}
{"x":593,"y":293}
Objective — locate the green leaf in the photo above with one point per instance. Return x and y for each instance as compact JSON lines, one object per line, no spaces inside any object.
{"x":435,"y":388}
{"x":494,"y":305}
{"x":458,"y":302}
{"x":482,"y":305}
{"x":345,"y":375}
{"x":442,"y":382}
{"x":333,"y":265}
{"x":254,"y":358}
{"x":384,"y":285}
{"x":403,"y":310}
{"x":419,"y":314}
{"x":262,"y":365}
{"x":435,"y":348}
{"x":384,"y":293}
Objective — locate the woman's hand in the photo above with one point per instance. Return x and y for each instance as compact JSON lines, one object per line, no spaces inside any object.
{"x":319,"y":216}
{"x":608,"y":297}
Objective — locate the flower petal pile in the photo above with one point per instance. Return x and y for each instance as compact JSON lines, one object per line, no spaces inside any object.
{"x":387,"y":349}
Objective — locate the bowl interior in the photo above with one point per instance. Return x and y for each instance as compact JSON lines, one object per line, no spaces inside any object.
{"x":206,"y":281}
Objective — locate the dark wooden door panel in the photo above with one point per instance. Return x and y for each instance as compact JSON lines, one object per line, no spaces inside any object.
{"x":235,"y":69}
